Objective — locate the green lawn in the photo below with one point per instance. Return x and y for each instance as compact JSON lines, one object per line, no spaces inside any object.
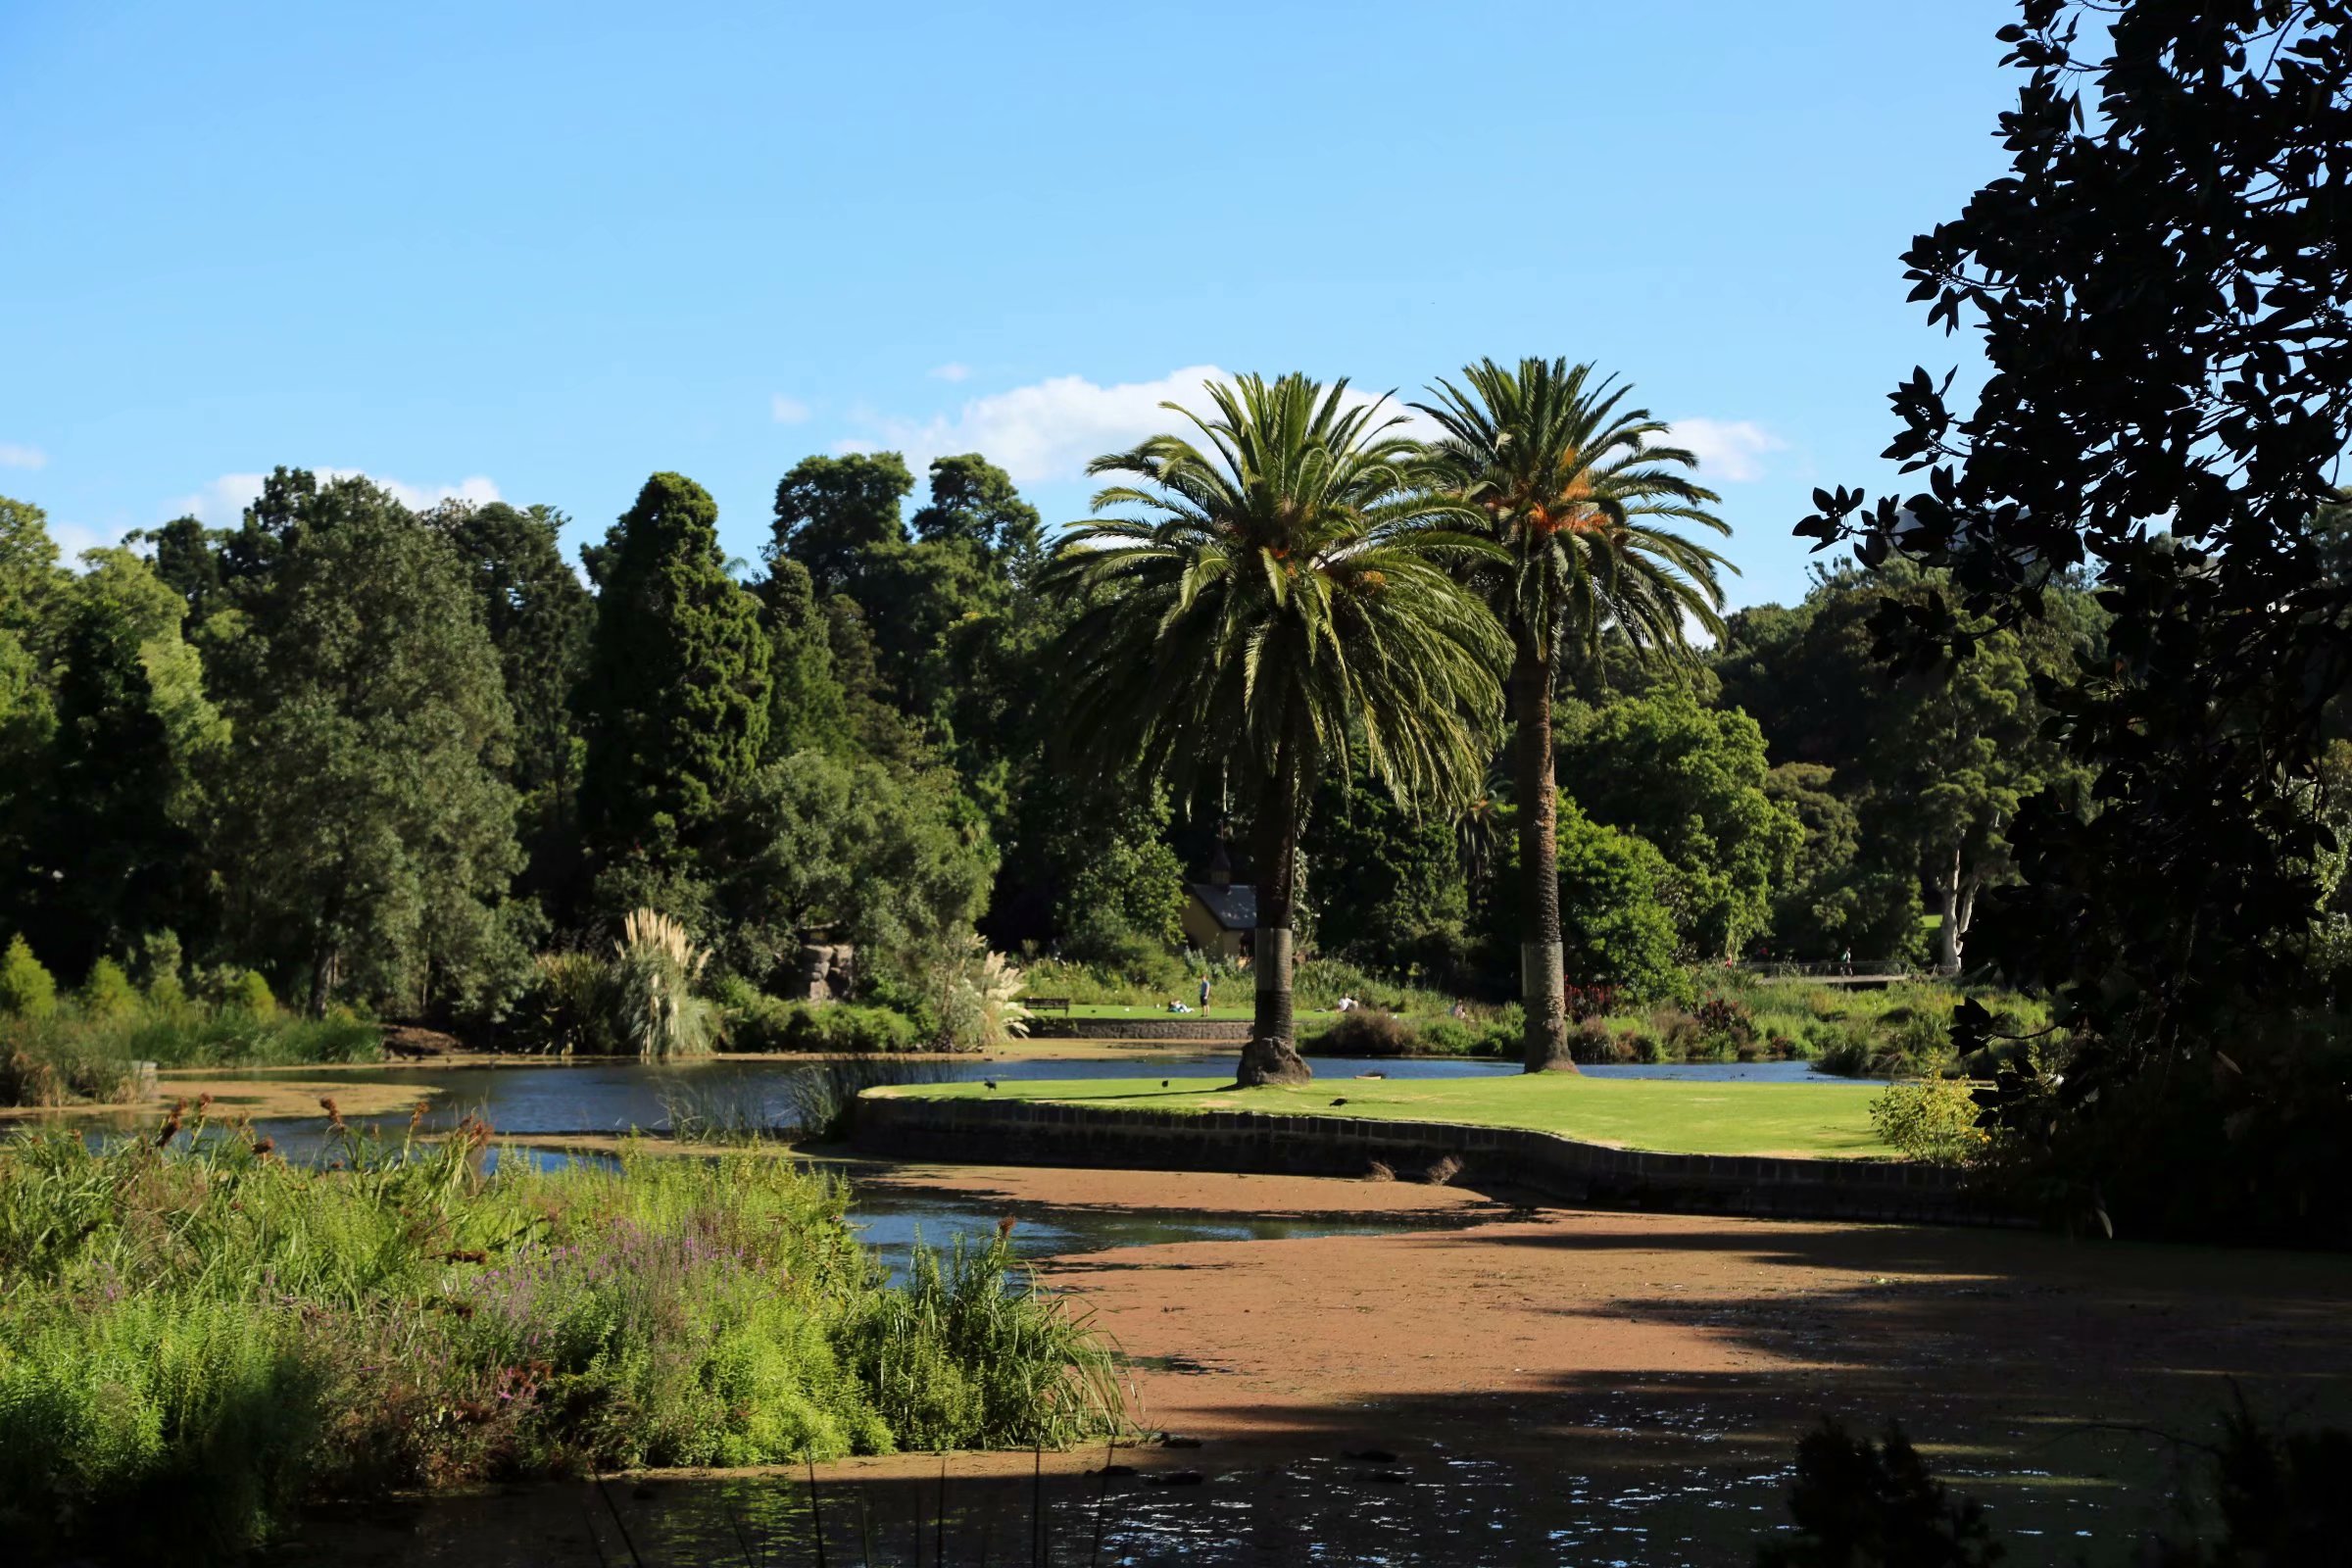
{"x":1234,"y":1010}
{"x":1825,"y":1120}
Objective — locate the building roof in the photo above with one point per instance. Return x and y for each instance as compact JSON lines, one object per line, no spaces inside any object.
{"x":1232,"y":906}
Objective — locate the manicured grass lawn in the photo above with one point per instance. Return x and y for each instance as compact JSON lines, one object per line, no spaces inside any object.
{"x":1824,"y":1120}
{"x":1121,"y":1009}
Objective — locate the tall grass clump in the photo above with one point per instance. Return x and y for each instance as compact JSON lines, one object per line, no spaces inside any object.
{"x":655,"y":968}
{"x":824,"y":1095}
{"x":954,"y":1358}
{"x":197,"y":1339}
{"x":975,"y":994}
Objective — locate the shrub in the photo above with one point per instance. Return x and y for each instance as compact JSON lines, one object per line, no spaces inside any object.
{"x":771,"y":1024}
{"x":1590,"y":1041}
{"x":848,"y":1028}
{"x":1928,"y":1119}
{"x":1639,"y":1044}
{"x":1368,"y":1032}
{"x":107,"y":991}
{"x":1914,"y":1043}
{"x":1842,"y":1048}
{"x":1678,"y":1033}
{"x":1720,"y":1018}
{"x":236,"y":990}
{"x":1590,"y":1002}
{"x":1468,"y":1037}
{"x":568,"y":1008}
{"x":159,"y":968}
{"x":25,"y":989}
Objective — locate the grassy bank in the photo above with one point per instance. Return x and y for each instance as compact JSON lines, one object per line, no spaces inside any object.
{"x":74,"y":1057}
{"x":1816,"y":1120}
{"x":192,"y":1344}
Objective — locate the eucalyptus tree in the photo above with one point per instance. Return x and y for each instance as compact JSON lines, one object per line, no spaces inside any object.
{"x":1284,"y":604}
{"x":1578,"y":497}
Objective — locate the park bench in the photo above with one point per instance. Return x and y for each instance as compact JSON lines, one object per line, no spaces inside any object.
{"x":1060,"y":1004}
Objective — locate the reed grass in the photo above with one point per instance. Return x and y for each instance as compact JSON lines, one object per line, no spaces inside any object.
{"x":72,"y":1055}
{"x":196,"y":1340}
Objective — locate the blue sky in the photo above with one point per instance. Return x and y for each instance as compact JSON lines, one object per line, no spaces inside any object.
{"x":542,"y":251}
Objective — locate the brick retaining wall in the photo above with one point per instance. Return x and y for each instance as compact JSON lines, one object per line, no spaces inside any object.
{"x":1020,"y":1132}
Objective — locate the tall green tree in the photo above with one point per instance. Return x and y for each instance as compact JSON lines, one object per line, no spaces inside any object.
{"x":675,"y":705}
{"x":1387,"y":885}
{"x":974,"y":501}
{"x":539,"y":615}
{"x":1284,"y":607}
{"x":29,"y":576}
{"x":843,"y":848}
{"x":30,"y":581}
{"x":1579,"y":498}
{"x":369,"y":827}
{"x":1936,"y":760}
{"x":28,"y":727}
{"x":807,"y":708}
{"x":1691,"y":781}
{"x":135,"y":732}
{"x":833,"y":513}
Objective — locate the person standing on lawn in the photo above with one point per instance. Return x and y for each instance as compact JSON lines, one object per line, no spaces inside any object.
{"x":1205,"y":995}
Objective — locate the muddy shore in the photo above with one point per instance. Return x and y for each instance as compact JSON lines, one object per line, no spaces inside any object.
{"x":1534,"y":1386}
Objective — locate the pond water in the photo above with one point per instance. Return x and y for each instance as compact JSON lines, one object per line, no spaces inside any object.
{"x":616,"y":1096}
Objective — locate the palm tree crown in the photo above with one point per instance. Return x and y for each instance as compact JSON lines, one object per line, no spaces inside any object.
{"x":1288,"y":598}
{"x":1582,"y":496}
{"x":1288,"y":593}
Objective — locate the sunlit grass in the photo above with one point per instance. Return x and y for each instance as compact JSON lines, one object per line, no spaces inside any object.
{"x":1677,"y":1116}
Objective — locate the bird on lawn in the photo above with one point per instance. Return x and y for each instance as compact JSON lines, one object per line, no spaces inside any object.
{"x":990,"y":1082}
{"x":1342,"y":1100}
{"x":1164,"y":1083}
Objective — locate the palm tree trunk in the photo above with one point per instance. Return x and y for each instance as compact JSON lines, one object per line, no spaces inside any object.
{"x":1542,"y":982}
{"x":1270,"y":1057}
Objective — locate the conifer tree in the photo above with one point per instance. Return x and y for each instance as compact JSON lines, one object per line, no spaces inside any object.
{"x":675,"y":705}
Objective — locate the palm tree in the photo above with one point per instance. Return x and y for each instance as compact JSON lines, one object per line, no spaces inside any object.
{"x":1286,"y":604}
{"x":1578,"y":501}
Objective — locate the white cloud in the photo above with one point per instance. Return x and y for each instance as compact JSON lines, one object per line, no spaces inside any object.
{"x":223,"y":500}
{"x":73,"y":538}
{"x":952,"y":372}
{"x":15,"y":456}
{"x":788,"y":411}
{"x":1727,"y":449}
{"x":1046,"y":432}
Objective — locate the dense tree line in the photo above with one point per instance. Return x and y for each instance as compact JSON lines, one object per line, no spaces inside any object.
{"x":385,"y":756}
